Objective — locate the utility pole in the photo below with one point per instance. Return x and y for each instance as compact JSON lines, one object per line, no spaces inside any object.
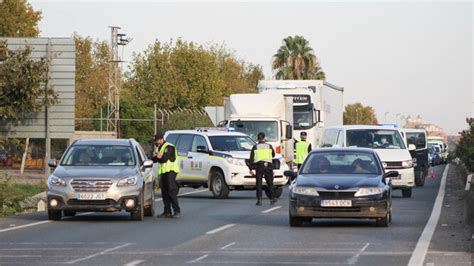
{"x":113,"y":106}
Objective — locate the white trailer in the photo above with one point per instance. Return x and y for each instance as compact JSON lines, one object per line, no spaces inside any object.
{"x":270,"y":114}
{"x":316,"y":104}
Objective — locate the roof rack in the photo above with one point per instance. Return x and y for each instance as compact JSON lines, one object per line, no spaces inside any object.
{"x":206,"y":129}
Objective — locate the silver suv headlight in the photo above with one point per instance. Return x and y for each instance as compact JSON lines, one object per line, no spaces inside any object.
{"x":129,"y":181}
{"x":56,"y":181}
{"x":368,"y":191}
{"x":309,"y":191}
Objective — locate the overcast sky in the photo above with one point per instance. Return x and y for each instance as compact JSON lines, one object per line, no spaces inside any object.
{"x":404,"y":58}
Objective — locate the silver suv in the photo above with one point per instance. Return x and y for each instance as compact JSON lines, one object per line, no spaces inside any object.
{"x":102,"y":175}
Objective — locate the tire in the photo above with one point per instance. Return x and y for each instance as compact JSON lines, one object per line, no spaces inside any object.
{"x":69,"y":213}
{"x":54,"y":215}
{"x":220,"y":190}
{"x":277,"y":191}
{"x":295,"y":221}
{"x":406,"y":192}
{"x":138,"y":215}
{"x":385,"y":221}
{"x":150,"y":209}
{"x":420,"y":179}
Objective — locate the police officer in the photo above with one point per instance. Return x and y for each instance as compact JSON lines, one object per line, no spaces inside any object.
{"x":302,"y":149}
{"x":261,"y":158}
{"x":167,"y":158}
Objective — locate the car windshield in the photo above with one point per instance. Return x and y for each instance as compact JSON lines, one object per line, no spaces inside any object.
{"x":302,"y":119}
{"x":341,"y":163}
{"x":99,"y":155}
{"x":252,"y":128}
{"x":375,"y":139}
{"x":231,"y":143}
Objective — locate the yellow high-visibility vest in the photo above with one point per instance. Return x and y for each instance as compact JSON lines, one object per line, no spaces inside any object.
{"x":301,"y":151}
{"x":263,"y":153}
{"x":168,"y":166}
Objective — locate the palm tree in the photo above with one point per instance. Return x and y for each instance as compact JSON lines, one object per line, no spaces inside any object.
{"x":295,"y":59}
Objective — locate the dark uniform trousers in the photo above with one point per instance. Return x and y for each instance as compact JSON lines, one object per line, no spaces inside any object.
{"x":264,"y":170}
{"x":169,"y":192}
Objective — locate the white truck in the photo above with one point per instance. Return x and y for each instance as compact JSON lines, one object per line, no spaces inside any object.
{"x":316,"y":104}
{"x":253,"y":113}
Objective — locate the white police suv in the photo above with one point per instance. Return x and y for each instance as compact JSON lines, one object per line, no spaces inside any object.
{"x":217,"y":159}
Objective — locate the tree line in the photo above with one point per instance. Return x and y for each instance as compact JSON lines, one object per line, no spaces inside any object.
{"x":171,"y":74}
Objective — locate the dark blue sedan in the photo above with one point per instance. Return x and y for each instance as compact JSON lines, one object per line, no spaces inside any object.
{"x":341,"y":183}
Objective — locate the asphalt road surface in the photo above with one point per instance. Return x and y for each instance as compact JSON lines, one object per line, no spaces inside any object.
{"x":233,"y":231}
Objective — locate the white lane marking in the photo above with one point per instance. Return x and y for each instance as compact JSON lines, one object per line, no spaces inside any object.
{"x":355,"y":258}
{"x":227,"y":226}
{"x":468,"y":183}
{"x":430,"y":264}
{"x":271,"y":209}
{"x":99,"y":253}
{"x":198,"y":259}
{"x":419,"y":253}
{"x":134,"y":263}
{"x":24,"y":226}
{"x":20,"y":256}
{"x":188,"y":193}
{"x":273,"y":262}
{"x":228,"y":245}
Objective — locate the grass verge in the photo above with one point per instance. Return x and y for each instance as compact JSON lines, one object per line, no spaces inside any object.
{"x":11,"y":194}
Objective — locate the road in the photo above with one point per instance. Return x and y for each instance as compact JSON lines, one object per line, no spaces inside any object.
{"x":233,"y":231}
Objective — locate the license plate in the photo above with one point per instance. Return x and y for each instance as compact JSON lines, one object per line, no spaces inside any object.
{"x":336,"y":203}
{"x":91,"y":196}
{"x":397,"y":177}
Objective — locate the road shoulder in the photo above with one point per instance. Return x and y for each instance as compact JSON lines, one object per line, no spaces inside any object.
{"x":452,"y":240}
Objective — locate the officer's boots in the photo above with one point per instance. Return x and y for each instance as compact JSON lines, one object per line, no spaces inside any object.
{"x":259,"y":201}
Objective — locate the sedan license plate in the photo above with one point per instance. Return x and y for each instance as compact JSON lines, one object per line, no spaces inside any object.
{"x":336,"y":203}
{"x":91,"y":196}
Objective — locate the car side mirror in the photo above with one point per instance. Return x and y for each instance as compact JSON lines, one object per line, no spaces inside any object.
{"x":292,"y":175}
{"x":147,"y":164}
{"x":411,"y":147}
{"x":52,"y":163}
{"x":202,"y":149}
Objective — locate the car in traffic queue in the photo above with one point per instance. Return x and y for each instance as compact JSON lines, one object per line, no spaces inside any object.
{"x":101,"y":175}
{"x":341,"y":183}
{"x":387,"y":141}
{"x":420,"y":155}
{"x":217,"y":158}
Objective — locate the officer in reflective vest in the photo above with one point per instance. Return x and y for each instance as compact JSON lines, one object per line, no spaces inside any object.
{"x":261,"y":158}
{"x":168,"y":167}
{"x":302,"y":149}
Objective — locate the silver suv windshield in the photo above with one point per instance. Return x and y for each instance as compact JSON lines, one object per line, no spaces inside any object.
{"x":231,"y":143}
{"x":375,"y":139}
{"x":99,"y":155}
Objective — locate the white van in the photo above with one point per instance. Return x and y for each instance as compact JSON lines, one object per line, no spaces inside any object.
{"x":386,"y":141}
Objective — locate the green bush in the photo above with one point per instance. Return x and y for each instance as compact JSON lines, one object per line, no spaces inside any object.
{"x":12,"y":194}
{"x":186,"y":120}
{"x":465,"y":147}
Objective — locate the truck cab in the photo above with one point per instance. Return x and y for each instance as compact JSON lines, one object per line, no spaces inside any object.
{"x":418,"y":138}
